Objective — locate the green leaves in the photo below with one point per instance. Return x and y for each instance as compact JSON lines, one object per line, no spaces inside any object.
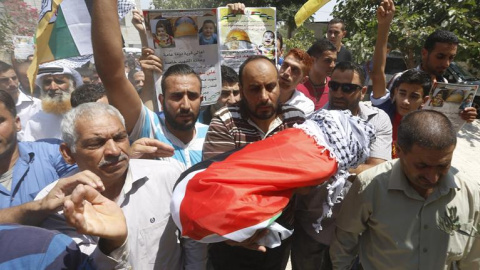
{"x":450,"y":222}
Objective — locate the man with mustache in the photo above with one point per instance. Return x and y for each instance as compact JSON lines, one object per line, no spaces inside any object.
{"x":257,"y":116}
{"x":181,"y":86}
{"x":95,"y":138}
{"x":56,"y":83}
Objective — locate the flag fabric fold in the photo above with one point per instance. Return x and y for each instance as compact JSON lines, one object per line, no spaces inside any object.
{"x":308,"y":9}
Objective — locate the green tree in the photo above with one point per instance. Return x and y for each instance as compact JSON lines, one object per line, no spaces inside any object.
{"x":302,"y":39}
{"x":414,"y":21}
{"x":19,"y":19}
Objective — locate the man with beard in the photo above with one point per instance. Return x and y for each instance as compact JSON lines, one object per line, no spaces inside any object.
{"x":180,"y":100}
{"x":25,"y":105}
{"x":57,"y":83}
{"x":295,"y":69}
{"x":229,"y":95}
{"x":257,"y":116}
{"x":324,"y":56}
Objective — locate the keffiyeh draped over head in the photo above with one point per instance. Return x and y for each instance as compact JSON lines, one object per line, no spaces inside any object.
{"x":348,"y":138}
{"x":247,"y":190}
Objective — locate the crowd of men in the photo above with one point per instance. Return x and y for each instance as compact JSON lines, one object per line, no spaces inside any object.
{"x":89,"y":154}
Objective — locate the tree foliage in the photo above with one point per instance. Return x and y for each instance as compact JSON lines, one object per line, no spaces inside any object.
{"x":19,"y":19}
{"x":302,"y":39}
{"x":414,"y":21}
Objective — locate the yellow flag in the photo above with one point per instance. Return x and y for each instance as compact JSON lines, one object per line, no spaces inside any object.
{"x":307,"y":10}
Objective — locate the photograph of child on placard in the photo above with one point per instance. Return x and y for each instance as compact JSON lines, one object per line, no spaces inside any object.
{"x":267,"y":48}
{"x":163,"y":36}
{"x":208,"y":33}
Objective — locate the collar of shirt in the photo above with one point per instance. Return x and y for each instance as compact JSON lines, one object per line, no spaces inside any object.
{"x":23,"y":98}
{"x":399,"y":181}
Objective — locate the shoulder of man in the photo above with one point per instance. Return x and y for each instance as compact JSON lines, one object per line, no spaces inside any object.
{"x":376,"y":175}
{"x":291,"y":114}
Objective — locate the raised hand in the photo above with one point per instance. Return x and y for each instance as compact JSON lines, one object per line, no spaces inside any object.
{"x":147,"y":148}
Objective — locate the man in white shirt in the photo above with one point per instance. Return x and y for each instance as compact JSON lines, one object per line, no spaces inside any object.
{"x":56,"y":84}
{"x":294,"y":70}
{"x":26,"y":106}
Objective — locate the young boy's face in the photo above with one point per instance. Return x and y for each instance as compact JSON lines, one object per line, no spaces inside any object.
{"x":160,"y":31}
{"x":408,"y":98}
{"x":268,"y":39}
{"x":208,"y":29}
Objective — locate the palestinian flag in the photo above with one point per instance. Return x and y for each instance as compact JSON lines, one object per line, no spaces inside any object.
{"x":64,"y":31}
{"x":240,"y":192}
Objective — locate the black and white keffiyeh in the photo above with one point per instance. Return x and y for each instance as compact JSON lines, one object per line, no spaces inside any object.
{"x":348,"y":138}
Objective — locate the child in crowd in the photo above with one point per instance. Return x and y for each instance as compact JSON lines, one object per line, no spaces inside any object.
{"x":207,"y":33}
{"x":268,"y":45}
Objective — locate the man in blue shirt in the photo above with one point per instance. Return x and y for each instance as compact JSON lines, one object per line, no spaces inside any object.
{"x":25,"y":167}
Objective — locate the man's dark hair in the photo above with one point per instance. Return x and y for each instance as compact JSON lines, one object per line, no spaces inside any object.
{"x":7,"y":100}
{"x":4,"y":67}
{"x":320,"y":46}
{"x":440,"y":36}
{"x":87,"y":93}
{"x":427,"y":129}
{"x":229,"y":75}
{"x":414,"y":76}
{"x":335,"y":21}
{"x":345,"y":65}
{"x":178,"y":69}
{"x":251,"y":59}
{"x":280,"y":39}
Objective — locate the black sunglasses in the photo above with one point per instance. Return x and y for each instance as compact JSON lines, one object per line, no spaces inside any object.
{"x":347,"y":88}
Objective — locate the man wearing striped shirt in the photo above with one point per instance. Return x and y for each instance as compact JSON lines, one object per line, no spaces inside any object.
{"x":257,"y":116}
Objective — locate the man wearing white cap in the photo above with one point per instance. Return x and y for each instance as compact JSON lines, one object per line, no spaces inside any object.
{"x":56,"y":83}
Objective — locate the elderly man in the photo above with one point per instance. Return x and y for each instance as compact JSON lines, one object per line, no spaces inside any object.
{"x":57,"y":83}
{"x":95,"y":138}
{"x":180,"y":100}
{"x":414,"y":212}
{"x":25,"y":167}
{"x":26,"y":106}
{"x":257,"y":116}
{"x":295,"y":69}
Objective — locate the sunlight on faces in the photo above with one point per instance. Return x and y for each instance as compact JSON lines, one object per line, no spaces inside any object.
{"x":338,"y":100}
{"x":101,"y":147}
{"x":335,"y":34}
{"x":56,"y":91}
{"x":408,"y":98}
{"x":9,"y":82}
{"x":438,"y":60}
{"x":290,"y":73}
{"x":424,"y":167}
{"x":324,"y":64}
{"x":181,"y":101}
{"x":260,"y":91}
{"x":230,"y":95}
{"x":9,"y":126}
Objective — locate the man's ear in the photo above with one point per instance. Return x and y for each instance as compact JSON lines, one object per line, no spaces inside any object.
{"x":161,"y":98}
{"x":67,"y":153}
{"x":424,"y":101}
{"x":304,"y":80}
{"x":18,"y":124}
{"x":364,"y":90}
{"x":424,"y":53}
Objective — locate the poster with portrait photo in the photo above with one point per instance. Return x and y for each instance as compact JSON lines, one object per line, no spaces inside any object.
{"x":243,"y":35}
{"x":175,"y":36}
{"x":451,"y":99}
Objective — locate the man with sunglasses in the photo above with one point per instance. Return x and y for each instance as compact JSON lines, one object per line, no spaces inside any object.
{"x":310,"y":249}
{"x":26,"y":106}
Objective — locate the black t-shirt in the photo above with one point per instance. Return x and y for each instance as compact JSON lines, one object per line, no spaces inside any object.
{"x":344,"y":55}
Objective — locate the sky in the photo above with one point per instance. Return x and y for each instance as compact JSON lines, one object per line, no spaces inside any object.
{"x":322,"y":15}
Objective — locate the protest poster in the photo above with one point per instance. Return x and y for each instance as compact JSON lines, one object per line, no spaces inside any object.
{"x":23,"y":47}
{"x":243,"y":35}
{"x":451,"y":99}
{"x":188,"y":37}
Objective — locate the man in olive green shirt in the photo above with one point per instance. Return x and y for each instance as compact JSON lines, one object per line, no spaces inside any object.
{"x":414,"y":212}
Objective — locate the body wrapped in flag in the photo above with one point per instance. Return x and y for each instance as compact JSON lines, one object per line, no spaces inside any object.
{"x":248,"y":189}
